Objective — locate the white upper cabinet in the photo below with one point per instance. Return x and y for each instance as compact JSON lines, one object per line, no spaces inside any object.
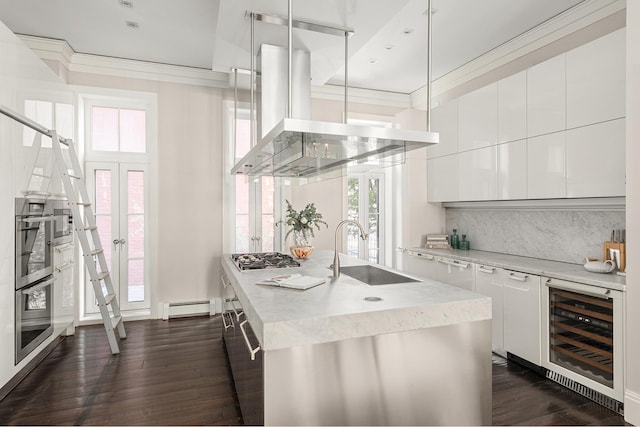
{"x":444,"y":120}
{"x":442,"y":179}
{"x":596,"y":81}
{"x":546,"y":170}
{"x":512,"y":108}
{"x":546,"y":98}
{"x":478,"y":118}
{"x":512,"y":170}
{"x":596,"y":160}
{"x":477,"y":174}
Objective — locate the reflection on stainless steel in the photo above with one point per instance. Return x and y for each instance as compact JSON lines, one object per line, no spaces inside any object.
{"x":435,"y":376}
{"x":336,"y":257}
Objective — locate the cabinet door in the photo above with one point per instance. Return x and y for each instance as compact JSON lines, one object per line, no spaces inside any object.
{"x":64,"y":297}
{"x":442,"y":179}
{"x":478,"y":118}
{"x":478,"y":175}
{"x":489,"y":283}
{"x":596,"y":80}
{"x":512,"y":170}
{"x":444,"y":120}
{"x":512,"y":108}
{"x":546,"y":109}
{"x":546,"y":169}
{"x":596,"y":160}
{"x":522,"y":310}
{"x":421,"y":264}
{"x":456,"y":273}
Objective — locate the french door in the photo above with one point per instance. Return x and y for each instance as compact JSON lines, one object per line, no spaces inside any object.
{"x":119,"y":194}
{"x":255,"y":215}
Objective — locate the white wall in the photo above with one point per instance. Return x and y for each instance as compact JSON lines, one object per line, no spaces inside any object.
{"x":189,"y":186}
{"x":632,"y":323}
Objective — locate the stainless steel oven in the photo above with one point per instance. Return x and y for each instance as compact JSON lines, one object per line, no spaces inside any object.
{"x":34,"y":240}
{"x":34,"y":316}
{"x":63,"y":222}
{"x":582,"y":342}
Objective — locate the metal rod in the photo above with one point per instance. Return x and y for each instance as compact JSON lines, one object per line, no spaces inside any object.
{"x":346,"y":76}
{"x":290,"y":58}
{"x":429,"y":12}
{"x":30,"y":123}
{"x":235,"y":112}
{"x":252,"y":118}
{"x":303,"y":25}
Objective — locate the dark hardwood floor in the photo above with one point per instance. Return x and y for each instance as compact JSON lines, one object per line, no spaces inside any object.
{"x":176,"y":373}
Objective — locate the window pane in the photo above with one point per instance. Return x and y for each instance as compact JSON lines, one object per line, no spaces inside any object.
{"x":267,"y":233}
{"x":133,"y":131}
{"x":135,"y":192}
{"x":242,"y":233}
{"x":104,"y":231}
{"x":243,"y":137}
{"x":242,"y":195}
{"x":135,"y":236}
{"x":103,"y":192}
{"x":104,"y":129}
{"x":136,"y":280}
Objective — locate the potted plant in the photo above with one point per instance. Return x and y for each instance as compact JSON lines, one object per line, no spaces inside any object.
{"x":301,"y":225}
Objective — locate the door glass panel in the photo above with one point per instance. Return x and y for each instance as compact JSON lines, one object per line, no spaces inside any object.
{"x":353,"y":203}
{"x":268,"y":191}
{"x":243,"y":138}
{"x":104,"y":129}
{"x":135,"y":280}
{"x":103,"y":196}
{"x":374,"y":220}
{"x":135,"y":196}
{"x":135,"y":238}
{"x":133,"y":131}
{"x":242,"y":214}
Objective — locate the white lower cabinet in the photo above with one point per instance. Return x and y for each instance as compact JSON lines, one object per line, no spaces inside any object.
{"x":456,"y":273}
{"x":489,"y":282}
{"x":421,"y":264}
{"x":522,"y":328}
{"x":515,"y":299}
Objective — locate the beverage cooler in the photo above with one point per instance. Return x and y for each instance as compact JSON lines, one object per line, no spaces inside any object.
{"x":583,"y":339}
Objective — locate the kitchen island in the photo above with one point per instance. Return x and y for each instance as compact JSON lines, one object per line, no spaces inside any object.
{"x":347,"y":353}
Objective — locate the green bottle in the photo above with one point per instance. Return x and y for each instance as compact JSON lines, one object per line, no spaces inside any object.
{"x":454,"y":239}
{"x":464,"y":243}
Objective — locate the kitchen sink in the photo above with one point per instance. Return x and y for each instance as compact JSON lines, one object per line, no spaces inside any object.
{"x":375,"y":276}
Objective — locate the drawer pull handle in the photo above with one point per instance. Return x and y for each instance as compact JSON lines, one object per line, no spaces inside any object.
{"x":454,"y":263}
{"x":489,"y":270}
{"x":252,"y":351}
{"x":523,"y":278}
{"x":224,"y":321}
{"x":421,"y":255}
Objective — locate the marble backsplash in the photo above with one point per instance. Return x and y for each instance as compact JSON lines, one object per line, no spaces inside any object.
{"x":557,"y":235}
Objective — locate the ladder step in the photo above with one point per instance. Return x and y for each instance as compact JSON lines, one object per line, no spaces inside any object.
{"x":85,"y":204}
{"x":90,"y":228}
{"x":74,"y":176}
{"x":109,"y":298}
{"x":115,"y":321}
{"x":41,"y":175}
{"x":37,"y":193}
{"x":96,"y":252}
{"x":101,"y":276}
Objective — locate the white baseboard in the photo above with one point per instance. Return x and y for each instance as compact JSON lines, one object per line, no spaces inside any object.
{"x":190,"y":308}
{"x":632,"y":407}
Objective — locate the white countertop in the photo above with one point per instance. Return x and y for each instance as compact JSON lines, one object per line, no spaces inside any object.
{"x":552,"y":269}
{"x":336,"y":310}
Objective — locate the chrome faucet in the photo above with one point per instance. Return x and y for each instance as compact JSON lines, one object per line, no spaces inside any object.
{"x":336,"y":258}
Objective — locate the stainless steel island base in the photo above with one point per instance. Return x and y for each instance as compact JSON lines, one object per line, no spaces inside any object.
{"x":434,"y":376}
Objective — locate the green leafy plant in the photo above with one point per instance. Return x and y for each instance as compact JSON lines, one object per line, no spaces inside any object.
{"x":303,"y":221}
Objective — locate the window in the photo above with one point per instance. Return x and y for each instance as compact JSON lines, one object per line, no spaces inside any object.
{"x":364,"y":204}
{"x":118,"y":129}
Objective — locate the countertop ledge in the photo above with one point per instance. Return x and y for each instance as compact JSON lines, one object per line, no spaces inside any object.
{"x":551,"y":269}
{"x":336,"y":310}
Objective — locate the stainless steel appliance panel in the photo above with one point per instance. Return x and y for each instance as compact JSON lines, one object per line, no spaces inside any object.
{"x":63,"y":222}
{"x":34,"y":316}
{"x":33,"y":241}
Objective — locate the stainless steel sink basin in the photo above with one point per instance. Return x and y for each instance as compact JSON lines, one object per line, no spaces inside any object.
{"x":375,"y":276}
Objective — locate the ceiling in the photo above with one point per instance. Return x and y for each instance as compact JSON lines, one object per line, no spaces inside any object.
{"x":387,"y":51}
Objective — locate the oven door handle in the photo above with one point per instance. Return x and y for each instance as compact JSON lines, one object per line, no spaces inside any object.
{"x":39,"y":286}
{"x":605,"y":294}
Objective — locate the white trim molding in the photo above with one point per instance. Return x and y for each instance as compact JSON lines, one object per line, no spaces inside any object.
{"x":632,"y":407}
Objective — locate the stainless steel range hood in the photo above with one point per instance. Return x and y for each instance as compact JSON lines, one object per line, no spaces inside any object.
{"x":304,"y":148}
{"x":292,"y":145}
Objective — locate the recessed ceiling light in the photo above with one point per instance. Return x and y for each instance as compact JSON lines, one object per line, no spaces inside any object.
{"x":389,"y":46}
{"x":126,"y":3}
{"x":132,"y":24}
{"x":372,"y":60}
{"x":407,"y":31}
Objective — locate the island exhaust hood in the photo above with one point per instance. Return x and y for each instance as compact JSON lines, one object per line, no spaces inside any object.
{"x":295,"y":146}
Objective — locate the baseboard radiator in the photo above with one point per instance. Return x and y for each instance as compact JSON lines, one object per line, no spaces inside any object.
{"x":191,"y":308}
{"x":602,"y":399}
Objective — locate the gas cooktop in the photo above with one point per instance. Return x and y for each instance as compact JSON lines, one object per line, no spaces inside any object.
{"x":261,"y":260}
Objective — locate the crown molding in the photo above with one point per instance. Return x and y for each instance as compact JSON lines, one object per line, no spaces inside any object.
{"x":59,"y":50}
{"x":581,"y":24}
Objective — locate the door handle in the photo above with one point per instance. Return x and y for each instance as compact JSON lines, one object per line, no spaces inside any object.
{"x":122,"y":241}
{"x":252,"y":351}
